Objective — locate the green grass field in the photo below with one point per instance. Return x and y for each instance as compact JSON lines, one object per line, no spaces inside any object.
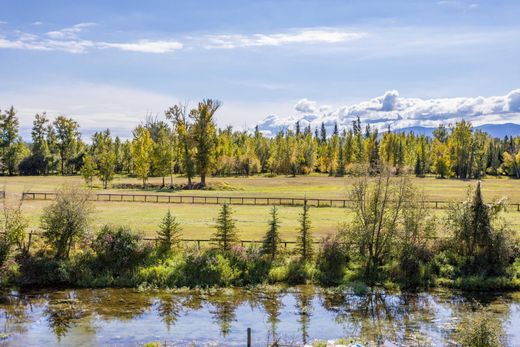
{"x":198,"y":220}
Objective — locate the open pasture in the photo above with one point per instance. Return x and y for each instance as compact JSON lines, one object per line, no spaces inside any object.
{"x":198,"y":220}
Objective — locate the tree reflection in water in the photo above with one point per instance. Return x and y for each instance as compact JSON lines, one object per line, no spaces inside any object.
{"x":379,"y":316}
{"x":271,"y":301}
{"x":304,"y":298}
{"x":224,"y":303}
{"x":62,"y":312}
{"x":169,"y":308}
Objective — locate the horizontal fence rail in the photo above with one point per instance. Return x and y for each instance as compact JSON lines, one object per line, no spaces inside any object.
{"x":200,"y":242}
{"x":231,"y":200}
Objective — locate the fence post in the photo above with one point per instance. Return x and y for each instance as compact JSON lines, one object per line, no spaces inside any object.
{"x":198,"y":245}
{"x":248,"y":337}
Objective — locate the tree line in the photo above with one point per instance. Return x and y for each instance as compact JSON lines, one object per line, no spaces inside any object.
{"x":189,"y":142}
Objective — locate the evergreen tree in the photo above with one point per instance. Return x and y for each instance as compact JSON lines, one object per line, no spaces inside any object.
{"x":169,"y":232}
{"x":323,"y":133}
{"x":304,"y":239}
{"x":272,"y":237}
{"x":225,"y":235}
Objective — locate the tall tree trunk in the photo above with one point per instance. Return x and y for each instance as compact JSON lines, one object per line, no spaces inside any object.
{"x":203,"y":179}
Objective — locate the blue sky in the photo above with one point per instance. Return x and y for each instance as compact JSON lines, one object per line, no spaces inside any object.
{"x":109,"y":63}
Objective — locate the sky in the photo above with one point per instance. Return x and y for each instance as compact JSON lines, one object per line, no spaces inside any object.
{"x":112,"y":63}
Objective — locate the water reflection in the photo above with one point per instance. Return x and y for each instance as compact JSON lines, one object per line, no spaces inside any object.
{"x":123,"y":317}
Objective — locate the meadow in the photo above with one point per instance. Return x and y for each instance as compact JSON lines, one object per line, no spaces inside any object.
{"x":198,"y":220}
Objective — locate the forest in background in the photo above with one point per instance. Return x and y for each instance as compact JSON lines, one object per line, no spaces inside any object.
{"x":189,"y":142}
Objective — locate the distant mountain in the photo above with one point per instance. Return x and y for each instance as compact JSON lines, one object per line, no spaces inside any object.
{"x":501,"y":130}
{"x":495,"y":130}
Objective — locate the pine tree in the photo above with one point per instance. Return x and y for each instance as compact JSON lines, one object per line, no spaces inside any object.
{"x":226,"y":232}
{"x":481,"y":224}
{"x":304,"y":240}
{"x":272,"y":237}
{"x":323,"y":133}
{"x":169,"y":232}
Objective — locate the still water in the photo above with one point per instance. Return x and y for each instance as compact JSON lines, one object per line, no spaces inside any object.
{"x":123,"y":317}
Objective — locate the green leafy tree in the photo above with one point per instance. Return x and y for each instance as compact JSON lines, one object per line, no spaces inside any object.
{"x":13,"y":225}
{"x":10,"y":142}
{"x":163,"y":153}
{"x":204,"y":135}
{"x":40,"y":148}
{"x":67,"y":138}
{"x":225,"y":235}
{"x":177,"y":115}
{"x":304,"y":239}
{"x":66,"y":220}
{"x":272,"y":237}
{"x":105,"y":157}
{"x":89,"y":170}
{"x":141,"y":152}
{"x":169,"y":232}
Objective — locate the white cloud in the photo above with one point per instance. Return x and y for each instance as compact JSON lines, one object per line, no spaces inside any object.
{"x":400,"y":112}
{"x":146,"y":46}
{"x":303,"y":36}
{"x":305,"y":106}
{"x":70,"y":32}
{"x":98,"y":106}
{"x":37,"y":23}
{"x":457,"y":4}
{"x":389,"y":100}
{"x":513,"y":101}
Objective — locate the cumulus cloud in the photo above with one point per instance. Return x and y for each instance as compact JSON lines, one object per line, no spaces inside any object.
{"x":303,"y":36}
{"x":389,"y":100}
{"x":305,"y":106}
{"x":513,"y":101}
{"x":391,"y":109}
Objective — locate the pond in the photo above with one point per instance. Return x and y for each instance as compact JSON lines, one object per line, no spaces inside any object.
{"x":122,"y":317}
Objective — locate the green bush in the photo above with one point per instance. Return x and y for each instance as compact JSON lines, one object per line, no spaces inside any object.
{"x":331,"y":262}
{"x":119,"y":250}
{"x":480,"y":329}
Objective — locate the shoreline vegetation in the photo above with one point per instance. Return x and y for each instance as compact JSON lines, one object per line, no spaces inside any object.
{"x":391,"y":242}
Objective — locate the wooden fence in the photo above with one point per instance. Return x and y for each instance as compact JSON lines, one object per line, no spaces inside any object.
{"x":36,"y":233}
{"x":232,"y":200}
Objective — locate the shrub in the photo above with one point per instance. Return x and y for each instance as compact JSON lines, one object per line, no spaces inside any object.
{"x":65,"y":221}
{"x":331,"y":261}
{"x":119,"y":249}
{"x":209,"y":268}
{"x":480,"y":329}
